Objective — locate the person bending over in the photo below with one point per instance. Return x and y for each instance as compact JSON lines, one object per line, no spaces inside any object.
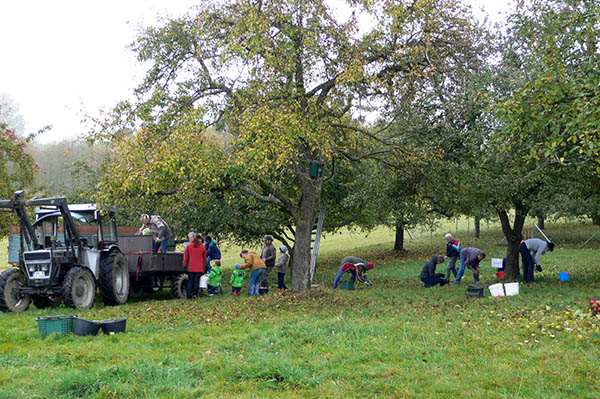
{"x":355,"y":266}
{"x":469,"y":259}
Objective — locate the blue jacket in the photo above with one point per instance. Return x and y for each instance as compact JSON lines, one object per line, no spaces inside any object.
{"x":453,"y":249}
{"x":212,"y":252}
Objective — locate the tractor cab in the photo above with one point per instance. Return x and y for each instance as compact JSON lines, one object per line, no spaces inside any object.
{"x":97,"y":228}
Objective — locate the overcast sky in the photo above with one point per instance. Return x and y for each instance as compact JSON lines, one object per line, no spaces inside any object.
{"x":62,"y":59}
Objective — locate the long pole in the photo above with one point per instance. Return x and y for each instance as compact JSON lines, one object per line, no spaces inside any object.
{"x":540,"y":230}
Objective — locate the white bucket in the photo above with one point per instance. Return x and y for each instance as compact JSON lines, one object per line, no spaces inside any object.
{"x":511,"y":289}
{"x":204,"y":281}
{"x":496,"y":289}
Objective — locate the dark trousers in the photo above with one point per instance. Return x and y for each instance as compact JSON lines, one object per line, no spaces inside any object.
{"x":236,"y":289}
{"x":431,"y":281}
{"x":527,"y":262}
{"x":193,"y":284}
{"x":280,"y":282}
{"x":213,"y":290}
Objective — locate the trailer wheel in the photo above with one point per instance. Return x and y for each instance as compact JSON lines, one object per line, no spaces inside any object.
{"x":179,"y":286}
{"x":43,"y":302}
{"x":79,"y":288}
{"x":10,"y":299}
{"x":113,"y":279}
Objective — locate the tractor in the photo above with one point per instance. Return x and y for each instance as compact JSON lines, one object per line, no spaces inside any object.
{"x":64,"y":255}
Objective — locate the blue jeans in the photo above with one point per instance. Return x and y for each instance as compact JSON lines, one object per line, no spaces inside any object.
{"x":339,"y":275}
{"x":255,"y":277}
{"x":462,"y":268}
{"x":163,"y":245}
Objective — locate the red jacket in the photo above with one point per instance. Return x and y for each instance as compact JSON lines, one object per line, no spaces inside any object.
{"x":352,"y":268}
{"x":194,"y":257}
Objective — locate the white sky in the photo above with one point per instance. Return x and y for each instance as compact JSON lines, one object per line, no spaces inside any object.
{"x":62,"y":59}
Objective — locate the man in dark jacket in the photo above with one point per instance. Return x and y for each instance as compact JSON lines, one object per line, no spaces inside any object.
{"x":428,"y":275}
{"x":452,"y":253}
{"x":212,"y":251}
{"x":268,"y":256}
{"x":469,"y":259}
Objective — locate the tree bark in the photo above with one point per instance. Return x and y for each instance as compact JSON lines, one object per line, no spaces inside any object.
{"x":311,"y":192}
{"x":477,"y":227}
{"x":399,"y":242}
{"x":595,"y":218}
{"x":513,"y":238}
{"x":541,"y":222}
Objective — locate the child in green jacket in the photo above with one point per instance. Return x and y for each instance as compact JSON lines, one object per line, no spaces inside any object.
{"x":214,"y":278}
{"x":237,"y":281}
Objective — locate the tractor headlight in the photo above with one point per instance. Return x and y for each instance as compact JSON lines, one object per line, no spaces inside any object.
{"x":31,"y":267}
{"x":44,"y":267}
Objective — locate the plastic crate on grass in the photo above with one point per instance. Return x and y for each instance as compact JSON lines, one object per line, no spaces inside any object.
{"x":61,"y":325}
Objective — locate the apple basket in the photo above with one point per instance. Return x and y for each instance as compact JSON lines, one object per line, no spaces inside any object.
{"x":595,"y":305}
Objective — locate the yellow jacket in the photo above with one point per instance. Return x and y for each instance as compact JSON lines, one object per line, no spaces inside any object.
{"x":253,"y":261}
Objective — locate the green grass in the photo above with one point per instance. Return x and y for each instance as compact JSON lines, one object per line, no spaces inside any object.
{"x":395,"y":339}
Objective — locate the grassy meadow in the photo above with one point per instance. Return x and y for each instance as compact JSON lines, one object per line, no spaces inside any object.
{"x":395,"y":339}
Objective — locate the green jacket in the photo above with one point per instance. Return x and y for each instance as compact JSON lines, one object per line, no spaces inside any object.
{"x":214,"y":277}
{"x":237,"y":278}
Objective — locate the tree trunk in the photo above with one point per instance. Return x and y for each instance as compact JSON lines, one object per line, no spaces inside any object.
{"x":311,"y":192}
{"x":541,"y":222}
{"x":596,"y":218}
{"x":399,"y":242}
{"x":513,"y":238}
{"x":477,"y":227}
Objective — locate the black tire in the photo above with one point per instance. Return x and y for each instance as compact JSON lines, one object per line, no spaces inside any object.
{"x":179,"y":286}
{"x":79,"y":288}
{"x":113,"y":279}
{"x":10,"y":299}
{"x":44,"y":302}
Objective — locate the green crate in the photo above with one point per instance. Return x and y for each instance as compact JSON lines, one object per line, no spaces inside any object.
{"x":347,"y":285}
{"x":61,"y":325}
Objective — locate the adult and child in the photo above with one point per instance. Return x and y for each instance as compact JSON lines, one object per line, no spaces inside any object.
{"x":203,"y":257}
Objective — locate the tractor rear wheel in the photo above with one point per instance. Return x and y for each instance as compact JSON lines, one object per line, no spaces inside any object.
{"x":113,"y":279}
{"x":179,"y":286}
{"x":79,"y":288}
{"x":43,"y":302}
{"x":10,"y":299}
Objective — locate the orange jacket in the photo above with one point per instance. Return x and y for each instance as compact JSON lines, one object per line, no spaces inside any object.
{"x":253,"y":261}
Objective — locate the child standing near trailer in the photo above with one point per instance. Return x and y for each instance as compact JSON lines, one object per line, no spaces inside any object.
{"x":214,"y":278}
{"x":237,"y":280}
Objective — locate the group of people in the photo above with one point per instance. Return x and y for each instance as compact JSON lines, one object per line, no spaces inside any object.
{"x":469,"y":258}
{"x":202,"y":256}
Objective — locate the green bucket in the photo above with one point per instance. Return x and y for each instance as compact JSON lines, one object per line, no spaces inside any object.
{"x":61,"y":325}
{"x":347,"y":285}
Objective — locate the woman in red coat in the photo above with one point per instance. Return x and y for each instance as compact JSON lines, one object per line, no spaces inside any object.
{"x":194,"y":259}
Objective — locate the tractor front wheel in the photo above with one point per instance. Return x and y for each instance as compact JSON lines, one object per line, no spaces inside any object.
{"x":10,"y":298}
{"x":79,"y":288}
